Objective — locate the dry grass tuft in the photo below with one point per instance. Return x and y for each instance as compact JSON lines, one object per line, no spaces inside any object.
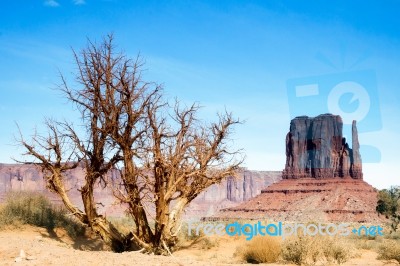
{"x":35,"y":209}
{"x":316,"y":250}
{"x":265,"y":249}
{"x":389,"y":250}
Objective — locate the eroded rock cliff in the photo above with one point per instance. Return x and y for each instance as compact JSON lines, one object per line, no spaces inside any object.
{"x":316,"y":148}
{"x":322,"y":179}
{"x":230,"y":192}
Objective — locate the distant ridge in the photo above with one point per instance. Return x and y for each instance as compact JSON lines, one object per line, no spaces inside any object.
{"x":230,"y":192}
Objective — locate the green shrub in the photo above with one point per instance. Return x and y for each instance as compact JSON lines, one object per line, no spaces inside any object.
{"x":35,"y":209}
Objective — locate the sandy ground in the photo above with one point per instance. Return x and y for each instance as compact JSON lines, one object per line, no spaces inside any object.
{"x":56,"y":248}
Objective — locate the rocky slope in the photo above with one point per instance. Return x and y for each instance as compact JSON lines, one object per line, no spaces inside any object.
{"x":310,"y":199}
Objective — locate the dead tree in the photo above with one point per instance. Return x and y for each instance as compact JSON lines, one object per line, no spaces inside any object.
{"x":59,"y":152}
{"x":187,"y":161}
{"x":179,"y":159}
{"x":168,"y":157}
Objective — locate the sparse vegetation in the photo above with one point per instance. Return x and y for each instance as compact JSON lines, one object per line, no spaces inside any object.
{"x":389,"y":250}
{"x":389,"y":205}
{"x":207,"y":243}
{"x":337,"y":251}
{"x":35,"y":209}
{"x":298,"y":250}
{"x":262,"y":250}
{"x":393,"y":235}
{"x":365,"y":244}
{"x":312,"y":250}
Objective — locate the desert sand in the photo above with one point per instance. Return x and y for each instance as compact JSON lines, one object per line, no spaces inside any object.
{"x":41,"y":247}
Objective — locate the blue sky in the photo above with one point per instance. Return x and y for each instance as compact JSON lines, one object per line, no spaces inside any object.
{"x":244,"y":56}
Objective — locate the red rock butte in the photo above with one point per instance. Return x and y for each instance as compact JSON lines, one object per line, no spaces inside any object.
{"x":322,"y":179}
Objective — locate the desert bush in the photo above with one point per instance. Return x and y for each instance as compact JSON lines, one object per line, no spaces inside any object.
{"x":35,"y":209}
{"x":263,"y":249}
{"x":389,"y":250}
{"x":338,"y":251}
{"x":393,"y":235}
{"x":306,"y":250}
{"x":365,"y":244}
{"x":207,"y":243}
{"x":301,"y":250}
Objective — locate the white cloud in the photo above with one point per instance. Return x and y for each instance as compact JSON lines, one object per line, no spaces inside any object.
{"x":52,"y":3}
{"x":79,"y":2}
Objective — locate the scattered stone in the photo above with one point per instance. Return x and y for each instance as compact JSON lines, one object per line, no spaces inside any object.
{"x":22,"y":254}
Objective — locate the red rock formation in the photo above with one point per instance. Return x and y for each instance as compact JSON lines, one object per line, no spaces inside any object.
{"x":356,"y":166}
{"x":315,"y":148}
{"x":322,"y":179}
